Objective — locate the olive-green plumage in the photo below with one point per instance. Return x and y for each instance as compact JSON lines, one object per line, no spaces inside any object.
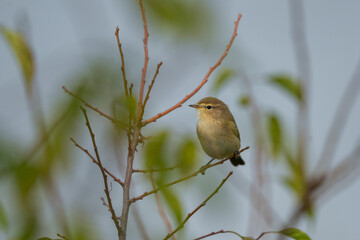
{"x":217,"y":131}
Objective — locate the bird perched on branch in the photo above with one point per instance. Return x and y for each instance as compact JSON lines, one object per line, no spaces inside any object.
{"x":217,"y":131}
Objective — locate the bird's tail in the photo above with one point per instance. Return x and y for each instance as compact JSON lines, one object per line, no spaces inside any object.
{"x":237,"y":160}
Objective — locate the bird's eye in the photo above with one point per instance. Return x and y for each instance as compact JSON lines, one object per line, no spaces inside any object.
{"x":208,"y":107}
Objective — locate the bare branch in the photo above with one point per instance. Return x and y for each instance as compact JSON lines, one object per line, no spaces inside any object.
{"x":106,"y":190}
{"x":201,"y":170}
{"x":150,"y":86}
{"x":146,"y":60}
{"x":200,"y":206}
{"x":153,"y":119}
{"x":218,"y":232}
{"x":97,"y":163}
{"x":122,"y":61}
{"x":115,"y":121}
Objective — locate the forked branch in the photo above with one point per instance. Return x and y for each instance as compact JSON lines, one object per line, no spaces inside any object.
{"x":153,"y":119}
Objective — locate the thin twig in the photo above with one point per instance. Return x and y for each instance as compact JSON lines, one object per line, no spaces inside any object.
{"x":201,"y":170}
{"x":122,"y":61}
{"x":200,"y":206}
{"x":106,"y":190}
{"x":302,"y":59}
{"x":97,"y":163}
{"x":155,"y":170}
{"x":153,"y":119}
{"x":150,"y":86}
{"x":146,"y":60}
{"x":342,"y":113}
{"x":218,"y":232}
{"x":161,"y":208}
{"x":115,"y":121}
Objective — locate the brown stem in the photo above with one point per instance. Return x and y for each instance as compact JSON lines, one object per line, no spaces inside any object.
{"x":97,"y":163}
{"x":153,"y":119}
{"x":146,"y":60}
{"x":115,"y":121}
{"x":218,"y":232}
{"x":201,"y":170}
{"x":106,"y":190}
{"x":122,"y":61}
{"x":200,"y":206}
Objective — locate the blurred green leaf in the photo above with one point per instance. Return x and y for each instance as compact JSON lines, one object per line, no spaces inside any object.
{"x":275,"y":134}
{"x":26,"y":177}
{"x":174,"y":204}
{"x":222,"y":78}
{"x":185,"y":18}
{"x":296,"y":179}
{"x":295,"y":234}
{"x":156,"y":155}
{"x":245,"y":100}
{"x":3,"y":219}
{"x":247,"y":238}
{"x":125,"y":107}
{"x":23,"y":55}
{"x":187,"y":155}
{"x":288,"y":84}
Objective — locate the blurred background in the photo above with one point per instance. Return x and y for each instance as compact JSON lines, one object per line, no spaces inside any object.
{"x":302,"y":166}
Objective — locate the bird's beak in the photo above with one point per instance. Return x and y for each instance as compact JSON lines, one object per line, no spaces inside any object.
{"x":194,"y":105}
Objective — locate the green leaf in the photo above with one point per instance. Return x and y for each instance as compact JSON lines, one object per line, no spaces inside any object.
{"x":3,"y":218}
{"x":174,"y":204}
{"x":44,"y":238}
{"x":295,"y":234}
{"x":23,"y":55}
{"x":222,"y":79}
{"x":187,"y":155}
{"x":247,"y":238}
{"x":296,"y":179}
{"x":275,"y":134}
{"x":288,"y":84}
{"x":184,"y":18}
{"x":245,"y":100}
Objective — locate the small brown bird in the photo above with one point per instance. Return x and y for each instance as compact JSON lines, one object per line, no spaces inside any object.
{"x":217,"y":131}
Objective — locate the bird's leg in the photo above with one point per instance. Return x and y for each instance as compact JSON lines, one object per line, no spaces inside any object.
{"x":202,"y":168}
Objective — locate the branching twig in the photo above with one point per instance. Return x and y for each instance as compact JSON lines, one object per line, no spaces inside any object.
{"x":122,"y":61}
{"x":146,"y":60}
{"x":150,"y":87}
{"x":218,"y":232}
{"x":201,"y":170}
{"x":97,"y":163}
{"x":106,"y":190}
{"x":200,"y":206}
{"x":115,"y":121}
{"x":153,"y":119}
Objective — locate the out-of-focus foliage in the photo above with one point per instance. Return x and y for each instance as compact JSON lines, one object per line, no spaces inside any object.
{"x":22,"y":53}
{"x":275,"y":134}
{"x":183,"y":18}
{"x":295,"y":234}
{"x":174,"y":203}
{"x":245,"y":100}
{"x":288,"y":84}
{"x":160,"y":152}
{"x":187,"y":155}
{"x":221,"y":79}
{"x":3,"y":219}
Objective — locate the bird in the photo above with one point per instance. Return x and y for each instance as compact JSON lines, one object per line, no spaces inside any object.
{"x":217,"y":130}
